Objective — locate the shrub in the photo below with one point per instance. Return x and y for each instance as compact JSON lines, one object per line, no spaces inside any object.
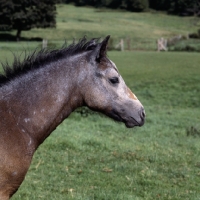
{"x":183,"y":7}
{"x":137,"y":5}
{"x":198,"y":32}
{"x":191,"y":45}
{"x":159,"y":4}
{"x":115,"y":4}
{"x":194,"y":35}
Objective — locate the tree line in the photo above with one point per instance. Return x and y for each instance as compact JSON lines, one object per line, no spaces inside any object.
{"x":177,"y":7}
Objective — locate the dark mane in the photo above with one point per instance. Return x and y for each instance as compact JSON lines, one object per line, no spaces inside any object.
{"x":40,"y":58}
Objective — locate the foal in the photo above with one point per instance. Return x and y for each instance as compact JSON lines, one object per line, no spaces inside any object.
{"x":36,"y":95}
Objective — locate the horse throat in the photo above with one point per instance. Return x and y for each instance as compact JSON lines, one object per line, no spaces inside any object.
{"x":41,"y":101}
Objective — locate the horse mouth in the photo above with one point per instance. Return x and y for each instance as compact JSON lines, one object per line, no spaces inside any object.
{"x":129,"y":122}
{"x":132,"y":123}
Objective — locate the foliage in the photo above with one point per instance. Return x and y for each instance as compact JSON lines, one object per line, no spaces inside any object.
{"x":191,"y":45}
{"x":183,"y":7}
{"x":24,"y":15}
{"x":159,"y":4}
{"x":178,"y":7}
{"x":137,"y":5}
{"x":116,"y":4}
{"x":131,"y":5}
{"x":195,"y":35}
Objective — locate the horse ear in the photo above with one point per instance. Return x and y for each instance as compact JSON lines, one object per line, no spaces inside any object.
{"x":102,"y":49}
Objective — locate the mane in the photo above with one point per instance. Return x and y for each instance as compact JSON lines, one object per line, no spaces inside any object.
{"x":38,"y":59}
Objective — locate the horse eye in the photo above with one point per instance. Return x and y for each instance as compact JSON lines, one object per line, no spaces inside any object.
{"x":114,"y":80}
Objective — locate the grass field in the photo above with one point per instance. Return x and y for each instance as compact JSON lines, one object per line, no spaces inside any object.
{"x":93,"y":158}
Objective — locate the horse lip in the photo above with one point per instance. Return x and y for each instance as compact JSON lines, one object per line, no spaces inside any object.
{"x":132,"y":124}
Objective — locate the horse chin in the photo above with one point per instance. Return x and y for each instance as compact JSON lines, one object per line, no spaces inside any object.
{"x":114,"y":115}
{"x":130,"y":124}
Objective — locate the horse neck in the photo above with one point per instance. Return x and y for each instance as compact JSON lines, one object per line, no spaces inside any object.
{"x":40,"y":100}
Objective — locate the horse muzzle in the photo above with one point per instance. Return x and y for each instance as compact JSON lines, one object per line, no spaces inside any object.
{"x":131,"y":119}
{"x":136,"y":119}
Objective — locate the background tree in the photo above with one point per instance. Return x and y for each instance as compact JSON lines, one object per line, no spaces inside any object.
{"x":116,"y":4}
{"x":131,"y":5}
{"x":26,"y":14}
{"x":177,"y":7}
{"x":159,"y":4}
{"x":137,"y":5}
{"x":186,"y":7}
{"x":180,"y":7}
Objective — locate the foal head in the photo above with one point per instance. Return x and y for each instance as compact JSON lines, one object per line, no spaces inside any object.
{"x":105,"y":90}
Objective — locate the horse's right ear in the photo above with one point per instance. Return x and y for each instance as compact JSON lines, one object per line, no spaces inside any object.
{"x":101,"y":49}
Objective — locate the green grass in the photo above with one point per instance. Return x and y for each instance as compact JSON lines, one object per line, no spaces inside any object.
{"x":95,"y":158}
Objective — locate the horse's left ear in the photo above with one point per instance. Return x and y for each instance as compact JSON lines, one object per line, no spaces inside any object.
{"x":102,"y":49}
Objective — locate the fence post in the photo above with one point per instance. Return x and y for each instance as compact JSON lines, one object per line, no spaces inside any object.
{"x":129,"y":43}
{"x":122,"y":44}
{"x":161,"y":44}
{"x":44,"y":43}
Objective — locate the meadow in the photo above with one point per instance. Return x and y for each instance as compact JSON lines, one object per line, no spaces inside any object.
{"x":92,"y":157}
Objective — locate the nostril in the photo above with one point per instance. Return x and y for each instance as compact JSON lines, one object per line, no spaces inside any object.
{"x":142,"y":114}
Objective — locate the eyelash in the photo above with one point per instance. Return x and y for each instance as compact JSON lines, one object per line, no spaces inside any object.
{"x":114,"y":80}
